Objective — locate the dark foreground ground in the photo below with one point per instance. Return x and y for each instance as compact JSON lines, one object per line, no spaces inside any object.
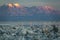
{"x":30,"y":32}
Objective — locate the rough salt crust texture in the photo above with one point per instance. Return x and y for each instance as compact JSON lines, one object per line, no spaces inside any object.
{"x":29,"y":32}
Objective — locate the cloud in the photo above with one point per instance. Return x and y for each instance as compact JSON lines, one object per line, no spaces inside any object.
{"x":33,"y":4}
{"x":54,"y":3}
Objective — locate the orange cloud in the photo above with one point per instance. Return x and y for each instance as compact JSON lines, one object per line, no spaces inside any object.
{"x":10,"y":5}
{"x":17,"y":5}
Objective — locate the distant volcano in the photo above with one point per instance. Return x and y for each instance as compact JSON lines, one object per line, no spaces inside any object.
{"x":16,"y":12}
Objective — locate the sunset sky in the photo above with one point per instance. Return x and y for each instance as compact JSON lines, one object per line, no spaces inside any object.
{"x":53,"y":3}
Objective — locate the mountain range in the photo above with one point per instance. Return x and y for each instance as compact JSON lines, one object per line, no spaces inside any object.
{"x":16,"y":12}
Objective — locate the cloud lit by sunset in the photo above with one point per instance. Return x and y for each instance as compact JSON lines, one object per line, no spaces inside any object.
{"x":10,"y":5}
{"x":17,"y":4}
{"x":48,"y":7}
{"x":14,"y":4}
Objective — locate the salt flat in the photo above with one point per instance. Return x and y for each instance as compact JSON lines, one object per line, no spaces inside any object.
{"x":29,"y":30}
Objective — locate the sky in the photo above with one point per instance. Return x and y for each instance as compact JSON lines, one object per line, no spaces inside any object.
{"x":53,"y":3}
